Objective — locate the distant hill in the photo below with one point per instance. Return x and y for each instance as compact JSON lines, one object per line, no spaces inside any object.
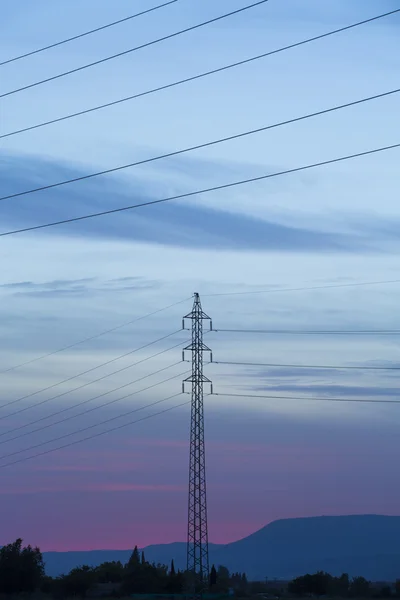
{"x":365,"y":545}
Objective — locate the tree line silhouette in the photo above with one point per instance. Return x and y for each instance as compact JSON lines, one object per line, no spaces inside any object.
{"x":22,"y":571}
{"x":324,"y":584}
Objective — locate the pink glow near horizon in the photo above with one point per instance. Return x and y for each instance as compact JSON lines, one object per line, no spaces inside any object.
{"x":137,"y":494}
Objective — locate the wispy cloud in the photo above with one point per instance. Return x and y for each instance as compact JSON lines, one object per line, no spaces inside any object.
{"x":77,"y":287}
{"x":329,"y":390}
{"x":174,"y":224}
{"x":102,"y":487}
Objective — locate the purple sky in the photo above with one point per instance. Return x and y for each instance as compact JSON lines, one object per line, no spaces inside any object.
{"x":132,"y":488}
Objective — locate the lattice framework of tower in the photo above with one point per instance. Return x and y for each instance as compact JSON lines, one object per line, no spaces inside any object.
{"x":197,"y":534}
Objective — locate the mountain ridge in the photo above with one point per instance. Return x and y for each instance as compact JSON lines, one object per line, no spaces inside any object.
{"x":364,"y":545}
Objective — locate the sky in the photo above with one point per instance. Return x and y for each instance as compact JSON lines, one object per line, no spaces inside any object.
{"x":336,"y":225}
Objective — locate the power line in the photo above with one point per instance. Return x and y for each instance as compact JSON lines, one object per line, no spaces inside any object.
{"x":303,"y":289}
{"x":118,"y":427}
{"x":201,"y":146}
{"x":104,"y":422}
{"x":203,"y":191}
{"x":93,"y":337}
{"x":86,"y":33}
{"x":91,"y":410}
{"x":83,"y":402}
{"x":80,"y":387}
{"x":179,"y":406}
{"x":297,"y":332}
{"x":95,"y":407}
{"x":294,"y":366}
{"x":358,"y":400}
{"x":130,"y":50}
{"x":192,"y":78}
{"x":80,"y":375}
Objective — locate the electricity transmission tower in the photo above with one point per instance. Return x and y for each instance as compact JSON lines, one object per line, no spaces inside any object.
{"x":197,"y":540}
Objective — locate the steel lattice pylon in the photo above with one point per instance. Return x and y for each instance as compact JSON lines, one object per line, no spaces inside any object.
{"x":197,"y":541}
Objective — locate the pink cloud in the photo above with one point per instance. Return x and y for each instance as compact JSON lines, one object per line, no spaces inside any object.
{"x":94,"y":487}
{"x":79,"y":468}
{"x":158,"y":443}
{"x":126,"y":487}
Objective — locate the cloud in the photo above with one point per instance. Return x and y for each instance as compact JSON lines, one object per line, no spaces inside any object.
{"x":103,"y":487}
{"x":288,"y":372}
{"x":361,"y":369}
{"x":330,"y":390}
{"x":76,"y":287}
{"x":172,"y":224}
{"x":47,"y":288}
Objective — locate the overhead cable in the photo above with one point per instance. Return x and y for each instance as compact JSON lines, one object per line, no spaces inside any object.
{"x":88,"y":400}
{"x":203,"y":191}
{"x":311,"y":332}
{"x":189,"y":79}
{"x":118,"y":427}
{"x":200,"y":146}
{"x":56,"y":439}
{"x":311,"y":398}
{"x":127,"y":424}
{"x":12,"y":402}
{"x":296,"y":366}
{"x":94,"y":337}
{"x":278,"y":290}
{"x":135,"y":49}
{"x":86,"y":33}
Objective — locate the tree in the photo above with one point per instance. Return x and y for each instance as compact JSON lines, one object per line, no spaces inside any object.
{"x":299,"y":586}
{"x":78,"y":581}
{"x":179,"y":582}
{"x":339,"y":586}
{"x":213,"y":577}
{"x":143,"y":577}
{"x":317,"y":584}
{"x":21,"y":569}
{"x":320,"y":583}
{"x":143,"y":558}
{"x":174,"y":583}
{"x":110,"y":572}
{"x":223,"y":579}
{"x":134,"y":561}
{"x":359,"y":587}
{"x":47,"y":585}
